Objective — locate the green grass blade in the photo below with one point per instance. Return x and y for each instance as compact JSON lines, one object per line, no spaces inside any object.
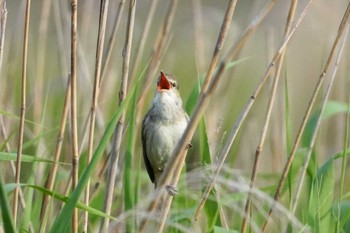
{"x":211,"y":206}
{"x":130,"y":193}
{"x":332,"y":108}
{"x":63,"y":220}
{"x":8,"y":225}
{"x":9,"y":187}
{"x":321,"y":199}
{"x":12,"y":156}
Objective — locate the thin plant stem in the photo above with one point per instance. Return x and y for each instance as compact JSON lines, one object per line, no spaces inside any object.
{"x":98,"y":64}
{"x":259,"y":148}
{"x":307,"y":115}
{"x":120,"y":125}
{"x":317,"y":126}
{"x":233,"y":52}
{"x":3,"y":19}
{"x":53,"y":171}
{"x":22,"y":111}
{"x":74,"y":124}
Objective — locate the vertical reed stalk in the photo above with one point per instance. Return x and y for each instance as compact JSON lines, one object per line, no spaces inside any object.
{"x":53,"y":172}
{"x":22,"y":111}
{"x":98,"y":64}
{"x":74,"y":125}
{"x":259,"y":148}
{"x":117,"y":138}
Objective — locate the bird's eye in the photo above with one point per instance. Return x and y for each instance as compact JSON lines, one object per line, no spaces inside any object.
{"x":174,"y":84}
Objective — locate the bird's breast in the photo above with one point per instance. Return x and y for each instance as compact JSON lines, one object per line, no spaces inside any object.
{"x":162,"y":138}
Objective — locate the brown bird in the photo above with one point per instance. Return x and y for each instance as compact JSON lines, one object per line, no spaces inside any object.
{"x":163,"y":126}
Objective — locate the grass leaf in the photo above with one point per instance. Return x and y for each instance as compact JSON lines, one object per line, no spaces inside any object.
{"x":321,"y":198}
{"x":8,"y":224}
{"x":12,"y":156}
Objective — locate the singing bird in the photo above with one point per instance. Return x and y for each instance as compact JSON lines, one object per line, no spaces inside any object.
{"x":163,"y":126}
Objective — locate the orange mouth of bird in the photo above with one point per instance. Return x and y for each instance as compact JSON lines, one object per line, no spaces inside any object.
{"x":163,"y":83}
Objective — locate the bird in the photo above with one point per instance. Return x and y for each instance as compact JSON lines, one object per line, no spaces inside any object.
{"x":162,"y":126}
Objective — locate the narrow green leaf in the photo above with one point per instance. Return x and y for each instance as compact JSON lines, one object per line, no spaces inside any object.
{"x":8,"y":225}
{"x":11,"y":186}
{"x":332,"y":108}
{"x":321,"y":198}
{"x":12,"y":156}
{"x":11,"y":115}
{"x":130,"y":193}
{"x":223,"y":230}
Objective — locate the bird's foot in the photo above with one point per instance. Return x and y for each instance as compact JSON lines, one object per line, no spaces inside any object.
{"x":189,"y":145}
{"x":171,"y":190}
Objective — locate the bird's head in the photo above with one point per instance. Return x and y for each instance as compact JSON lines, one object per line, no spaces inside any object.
{"x":166,"y":83}
{"x":167,"y":91}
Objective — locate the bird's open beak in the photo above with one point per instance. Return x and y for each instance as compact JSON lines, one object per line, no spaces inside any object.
{"x":163,"y":83}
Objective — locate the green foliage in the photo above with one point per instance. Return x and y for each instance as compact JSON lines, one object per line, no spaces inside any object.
{"x":6,"y":214}
{"x":320,"y":207}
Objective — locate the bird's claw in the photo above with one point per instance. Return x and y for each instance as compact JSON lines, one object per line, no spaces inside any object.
{"x":171,"y":190}
{"x":189,"y":145}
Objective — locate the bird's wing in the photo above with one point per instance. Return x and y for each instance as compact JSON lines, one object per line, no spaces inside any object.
{"x":147,"y":163}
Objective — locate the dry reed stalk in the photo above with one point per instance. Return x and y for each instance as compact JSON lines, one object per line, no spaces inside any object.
{"x":74,"y":124}
{"x":307,"y":115}
{"x":318,"y":124}
{"x":118,"y":134}
{"x":259,"y":148}
{"x":3,"y":19}
{"x":98,"y":64}
{"x":232,"y":54}
{"x":22,"y":111}
{"x":53,"y":171}
{"x":173,"y":167}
